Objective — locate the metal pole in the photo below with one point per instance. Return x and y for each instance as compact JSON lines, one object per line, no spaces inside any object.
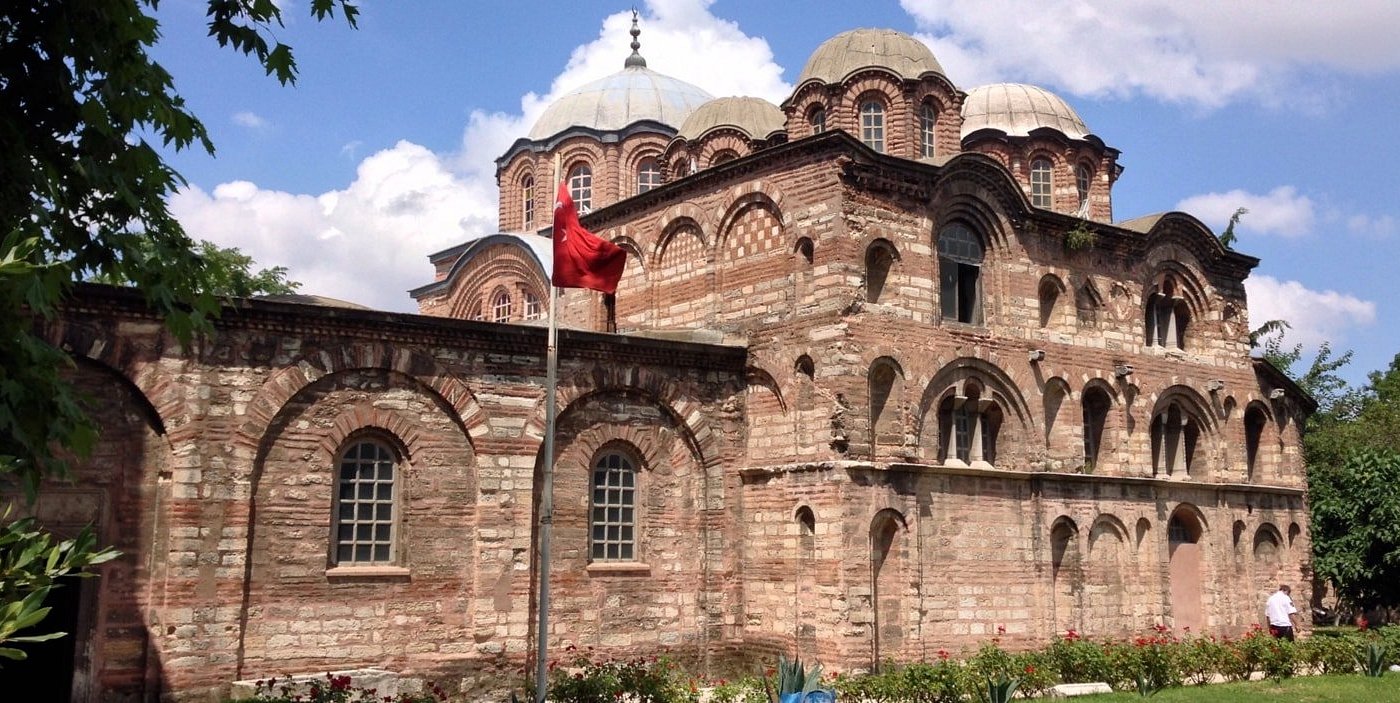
{"x":547,"y":496}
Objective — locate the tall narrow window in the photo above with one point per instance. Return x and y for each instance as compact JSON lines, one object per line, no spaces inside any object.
{"x":959,"y":269}
{"x":500,"y":306}
{"x":817,"y":119}
{"x":581,"y":187}
{"x":1096,"y":406}
{"x":1082,"y":178}
{"x":872,"y":125}
{"x":532,"y":306}
{"x":1254,"y":423}
{"x":614,"y":519}
{"x":364,"y":510}
{"x":1041,"y":185}
{"x":928,"y":120}
{"x":648,"y":175}
{"x":879,"y":257}
{"x":1174,"y":436}
{"x":1167,"y":317}
{"x":969,"y":426}
{"x":527,"y":201}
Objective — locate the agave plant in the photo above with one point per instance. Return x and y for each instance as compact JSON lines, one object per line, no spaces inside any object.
{"x":1002,"y":690}
{"x":1373,"y":663}
{"x":792,"y":677}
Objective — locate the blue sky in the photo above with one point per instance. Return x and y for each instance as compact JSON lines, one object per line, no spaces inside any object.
{"x":384,"y":151}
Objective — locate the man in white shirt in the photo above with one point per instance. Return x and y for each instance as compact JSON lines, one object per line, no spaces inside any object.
{"x":1282,"y":616}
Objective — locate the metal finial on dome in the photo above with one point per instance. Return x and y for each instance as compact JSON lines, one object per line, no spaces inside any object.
{"x":635,"y":60}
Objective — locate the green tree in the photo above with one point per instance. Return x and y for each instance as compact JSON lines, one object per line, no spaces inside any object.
{"x":1227,"y":238}
{"x":1356,"y":525}
{"x":230,"y":272}
{"x":83,"y":195}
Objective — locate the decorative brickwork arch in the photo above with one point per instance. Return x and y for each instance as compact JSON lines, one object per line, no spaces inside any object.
{"x":1183,"y":434}
{"x":979,"y":188}
{"x":750,"y":255}
{"x":1174,"y":306}
{"x":498,"y":261}
{"x":400,"y":430}
{"x":646,"y":385}
{"x":289,"y":380}
{"x":969,"y":378}
{"x":114,"y":354}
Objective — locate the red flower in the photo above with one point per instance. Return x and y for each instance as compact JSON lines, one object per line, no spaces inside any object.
{"x":943,"y":654}
{"x":1030,"y":669}
{"x":1001,"y":629}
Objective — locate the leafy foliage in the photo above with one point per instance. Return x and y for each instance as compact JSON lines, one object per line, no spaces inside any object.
{"x":230,"y":273}
{"x":1081,"y":237}
{"x":333,"y":689}
{"x":1356,"y":525}
{"x":1227,"y":238}
{"x":84,"y":196}
{"x":31,"y":563}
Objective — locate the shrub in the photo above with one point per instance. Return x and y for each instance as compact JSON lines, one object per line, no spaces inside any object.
{"x":1077,"y":660}
{"x":335,"y":689}
{"x":1328,"y":655}
{"x":1201,"y":659}
{"x":748,"y":689}
{"x":642,"y":680}
{"x":1278,"y":658}
{"x":940,"y":682}
{"x":1036,"y":672}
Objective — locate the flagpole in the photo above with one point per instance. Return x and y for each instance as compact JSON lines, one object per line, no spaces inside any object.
{"x":547,"y":496}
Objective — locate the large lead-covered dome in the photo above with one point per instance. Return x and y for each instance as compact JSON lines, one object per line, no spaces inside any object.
{"x":848,"y":52}
{"x":634,"y":94}
{"x":1018,"y":109}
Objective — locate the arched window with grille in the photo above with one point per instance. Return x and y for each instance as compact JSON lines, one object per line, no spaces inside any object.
{"x":500,"y":305}
{"x":816,"y":117}
{"x":1083,"y":177}
{"x":581,"y":187}
{"x":365,"y":505}
{"x":527,"y":202}
{"x":1042,"y":183}
{"x":648,"y":175}
{"x":959,"y":273}
{"x":872,"y":124}
{"x":928,"y":121}
{"x":613,"y":520}
{"x":534,"y":309}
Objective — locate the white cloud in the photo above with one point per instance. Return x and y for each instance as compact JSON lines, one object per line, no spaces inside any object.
{"x":1282,"y":211}
{"x":1381,"y":227}
{"x":1314,"y":316}
{"x":1198,"y":52}
{"x":366,"y":243}
{"x":251,"y":120}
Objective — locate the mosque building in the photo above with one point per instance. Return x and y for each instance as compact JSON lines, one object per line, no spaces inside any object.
{"x":883,"y":376}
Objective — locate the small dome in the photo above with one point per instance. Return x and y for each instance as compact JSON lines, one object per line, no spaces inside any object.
{"x":633,"y":94}
{"x":848,"y":52}
{"x":1018,"y":110}
{"x":755,"y":117}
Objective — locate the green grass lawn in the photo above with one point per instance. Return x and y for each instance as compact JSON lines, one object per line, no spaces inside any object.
{"x":1354,"y":688}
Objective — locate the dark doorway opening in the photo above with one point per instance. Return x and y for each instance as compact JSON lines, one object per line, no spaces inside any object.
{"x":47,"y":673}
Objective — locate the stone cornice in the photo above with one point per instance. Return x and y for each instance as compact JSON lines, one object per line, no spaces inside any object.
{"x":853,"y":467}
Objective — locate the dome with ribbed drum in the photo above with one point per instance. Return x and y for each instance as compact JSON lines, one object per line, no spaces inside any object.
{"x":848,"y":52}
{"x":634,"y":94}
{"x":1018,"y":110}
{"x":755,"y":117}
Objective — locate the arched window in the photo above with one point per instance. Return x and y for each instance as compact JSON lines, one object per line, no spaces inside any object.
{"x":968,"y":427}
{"x":1174,"y":436}
{"x":613,"y":522}
{"x":928,"y":120}
{"x":1041,"y":183}
{"x":816,"y":117}
{"x":1083,"y":176}
{"x":872,"y":125}
{"x":886,"y":387}
{"x":533,"y":306}
{"x":648,"y":175}
{"x":1254,"y":423}
{"x":879,"y":257}
{"x":581,"y":187}
{"x":959,"y":274}
{"x":722,"y":156}
{"x":527,"y":201}
{"x":1096,"y":406}
{"x":500,"y":306}
{"x":1166,"y":317}
{"x":364,"y":505}
{"x":1049,"y":295}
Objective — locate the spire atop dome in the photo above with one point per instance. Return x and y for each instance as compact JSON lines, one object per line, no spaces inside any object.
{"x":635,"y":60}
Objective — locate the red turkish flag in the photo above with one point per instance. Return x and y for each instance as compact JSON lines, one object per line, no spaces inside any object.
{"x":582,"y":259}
